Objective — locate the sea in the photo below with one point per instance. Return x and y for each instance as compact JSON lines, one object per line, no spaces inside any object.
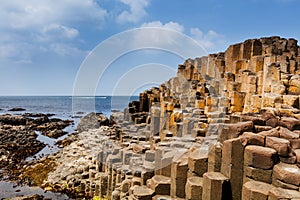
{"x":63,"y":107}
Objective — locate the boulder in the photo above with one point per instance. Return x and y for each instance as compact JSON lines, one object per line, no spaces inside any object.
{"x":287,"y":173}
{"x":249,"y":138}
{"x":260,"y":157}
{"x":282,"y":146}
{"x":92,"y":121}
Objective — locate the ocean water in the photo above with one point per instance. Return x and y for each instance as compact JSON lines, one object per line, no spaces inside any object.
{"x":64,"y":106}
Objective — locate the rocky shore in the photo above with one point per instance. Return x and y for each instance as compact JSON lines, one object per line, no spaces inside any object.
{"x":226,"y":127}
{"x":19,"y":140}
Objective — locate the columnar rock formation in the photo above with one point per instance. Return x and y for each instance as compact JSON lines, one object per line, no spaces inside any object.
{"x":227,"y":127}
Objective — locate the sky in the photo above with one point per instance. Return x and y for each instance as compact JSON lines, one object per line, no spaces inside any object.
{"x":46,"y":46}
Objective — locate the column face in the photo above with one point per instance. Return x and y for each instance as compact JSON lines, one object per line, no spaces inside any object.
{"x":155,"y":120}
{"x":216,"y":186}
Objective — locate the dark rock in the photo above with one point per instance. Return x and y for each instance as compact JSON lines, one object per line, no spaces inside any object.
{"x":41,"y":120}
{"x":13,"y":120}
{"x":92,"y":120}
{"x":17,"y":109}
{"x":37,"y":115}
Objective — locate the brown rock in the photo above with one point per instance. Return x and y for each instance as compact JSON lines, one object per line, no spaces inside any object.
{"x":142,"y":193}
{"x":178,"y":187}
{"x":179,"y":169}
{"x":215,"y":186}
{"x":282,"y":146}
{"x":292,"y":100}
{"x":294,"y":88}
{"x":160,"y":184}
{"x":279,"y":193}
{"x":231,"y":131}
{"x":278,"y":183}
{"x":178,"y":178}
{"x":257,"y":174}
{"x":295,"y":143}
{"x":287,"y":173}
{"x":198,"y":163}
{"x":273,"y":132}
{"x":249,"y":138}
{"x":288,"y":160}
{"x":287,"y":134}
{"x":256,"y":190}
{"x":260,"y":157}
{"x":297,"y":152}
{"x":193,"y":188}
{"x":215,"y":158}
{"x":258,"y":128}
{"x":290,"y":123}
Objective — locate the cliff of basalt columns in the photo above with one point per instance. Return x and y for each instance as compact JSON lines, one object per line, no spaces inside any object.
{"x":226,"y":127}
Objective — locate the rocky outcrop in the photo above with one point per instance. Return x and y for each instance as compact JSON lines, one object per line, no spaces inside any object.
{"x":91,"y":121}
{"x":226,"y":127}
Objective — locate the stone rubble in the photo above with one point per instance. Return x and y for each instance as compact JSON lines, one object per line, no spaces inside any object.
{"x":226,"y":127}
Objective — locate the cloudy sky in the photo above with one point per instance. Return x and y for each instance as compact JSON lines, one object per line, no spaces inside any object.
{"x":43,"y":43}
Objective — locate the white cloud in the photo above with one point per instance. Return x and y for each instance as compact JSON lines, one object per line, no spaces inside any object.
{"x":170,"y":25}
{"x":212,"y":41}
{"x":163,"y":34}
{"x":136,"y":13}
{"x":67,"y":50}
{"x":39,"y":24}
{"x":36,"y":13}
{"x":16,"y":52}
{"x":58,"y":31}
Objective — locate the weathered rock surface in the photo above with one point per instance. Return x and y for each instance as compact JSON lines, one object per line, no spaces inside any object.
{"x":91,"y":121}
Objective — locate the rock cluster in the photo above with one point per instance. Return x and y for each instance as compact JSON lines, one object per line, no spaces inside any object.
{"x":18,"y":139}
{"x":227,"y":127}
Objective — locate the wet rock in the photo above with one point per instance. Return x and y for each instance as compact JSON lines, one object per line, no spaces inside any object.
{"x":13,"y":120}
{"x":16,"y":109}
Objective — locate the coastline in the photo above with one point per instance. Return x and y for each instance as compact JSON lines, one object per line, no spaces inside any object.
{"x":231,"y":131}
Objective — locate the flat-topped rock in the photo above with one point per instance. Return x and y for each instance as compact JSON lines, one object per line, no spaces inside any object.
{"x":215,"y":186}
{"x":256,"y":190}
{"x":142,"y":193}
{"x":194,"y":188}
{"x":282,"y":146}
{"x":160,"y":184}
{"x":260,"y":157}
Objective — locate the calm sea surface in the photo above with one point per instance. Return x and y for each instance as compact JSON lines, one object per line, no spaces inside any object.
{"x":64,"y":106}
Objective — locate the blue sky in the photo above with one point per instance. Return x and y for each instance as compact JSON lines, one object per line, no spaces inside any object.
{"x":44,"y":42}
